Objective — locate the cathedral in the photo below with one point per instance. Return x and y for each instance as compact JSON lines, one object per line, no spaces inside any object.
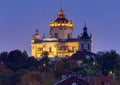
{"x":60,"y":42}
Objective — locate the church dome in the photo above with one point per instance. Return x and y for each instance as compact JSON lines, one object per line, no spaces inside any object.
{"x":61,"y":17}
{"x":61,"y":21}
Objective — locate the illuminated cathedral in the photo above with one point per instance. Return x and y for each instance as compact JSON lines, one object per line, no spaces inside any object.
{"x":60,"y":42}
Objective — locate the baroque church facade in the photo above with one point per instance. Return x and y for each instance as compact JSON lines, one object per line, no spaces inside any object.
{"x":60,"y":42}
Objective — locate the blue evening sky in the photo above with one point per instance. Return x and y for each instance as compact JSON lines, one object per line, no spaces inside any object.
{"x":20,"y":18}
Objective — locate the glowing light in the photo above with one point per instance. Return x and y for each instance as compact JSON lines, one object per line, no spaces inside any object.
{"x":58,"y":24}
{"x":63,"y":24}
{"x":110,"y":72}
{"x":55,"y":25}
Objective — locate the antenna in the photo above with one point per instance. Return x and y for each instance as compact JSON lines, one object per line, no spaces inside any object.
{"x":84,"y":23}
{"x":60,"y":4}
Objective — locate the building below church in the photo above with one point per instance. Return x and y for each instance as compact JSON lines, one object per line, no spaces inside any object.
{"x":60,"y":42}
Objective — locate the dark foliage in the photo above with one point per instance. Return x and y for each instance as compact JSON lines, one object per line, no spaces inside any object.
{"x":15,"y":64}
{"x":108,"y":61}
{"x":16,"y":60}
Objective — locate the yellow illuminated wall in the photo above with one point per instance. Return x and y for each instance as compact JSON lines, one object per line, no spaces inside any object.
{"x":50,"y":47}
{"x":59,"y":49}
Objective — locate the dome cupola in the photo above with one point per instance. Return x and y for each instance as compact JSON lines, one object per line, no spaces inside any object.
{"x":61,"y":21}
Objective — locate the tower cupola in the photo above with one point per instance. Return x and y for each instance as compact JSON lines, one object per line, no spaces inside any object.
{"x":85,"y":40}
{"x":85,"y":34}
{"x":61,"y":14}
{"x":37,"y":35}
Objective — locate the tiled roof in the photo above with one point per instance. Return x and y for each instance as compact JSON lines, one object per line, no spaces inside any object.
{"x":81,"y":55}
{"x":70,"y":80}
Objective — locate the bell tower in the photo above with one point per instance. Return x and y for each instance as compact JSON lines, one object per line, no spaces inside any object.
{"x":36,"y":36}
{"x":85,"y":40}
{"x":61,"y":28}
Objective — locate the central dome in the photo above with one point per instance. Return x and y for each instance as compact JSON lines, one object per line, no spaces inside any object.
{"x":61,"y":17}
{"x":61,"y":21}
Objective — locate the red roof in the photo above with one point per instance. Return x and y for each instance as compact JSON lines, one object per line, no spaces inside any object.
{"x":72,"y":79}
{"x":101,"y":80}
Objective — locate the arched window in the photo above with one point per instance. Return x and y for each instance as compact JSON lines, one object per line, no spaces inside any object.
{"x":68,"y":36}
{"x":82,"y":46}
{"x":88,"y":46}
{"x":56,"y":35}
{"x":73,"y":48}
{"x":50,"y":49}
{"x":40,"y":49}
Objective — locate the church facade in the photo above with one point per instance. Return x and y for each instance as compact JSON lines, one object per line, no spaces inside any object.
{"x":60,"y":42}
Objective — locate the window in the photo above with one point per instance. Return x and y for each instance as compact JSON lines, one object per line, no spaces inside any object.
{"x":88,"y":46}
{"x":50,"y":49}
{"x":71,"y":34}
{"x":40,"y":49}
{"x":68,"y":36}
{"x":82,"y":46}
{"x":56,"y":35}
{"x":73,"y":48}
{"x":64,"y":47}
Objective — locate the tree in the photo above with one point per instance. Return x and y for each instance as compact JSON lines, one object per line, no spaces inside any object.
{"x":64,"y":67}
{"x":44,"y":63}
{"x":107,"y":61}
{"x":60,"y":68}
{"x":87,"y":67}
{"x":37,"y":78}
{"x":118,"y":76}
{"x":31,"y":78}
{"x":24,"y":53}
{"x":12,"y":65}
{"x":17,"y":60}
{"x":5,"y":75}
{"x":31,"y":63}
{"x":45,"y":58}
{"x":3,"y":56}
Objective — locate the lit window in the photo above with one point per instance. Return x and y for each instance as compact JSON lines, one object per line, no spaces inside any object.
{"x":73,"y":48}
{"x":40,"y":49}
